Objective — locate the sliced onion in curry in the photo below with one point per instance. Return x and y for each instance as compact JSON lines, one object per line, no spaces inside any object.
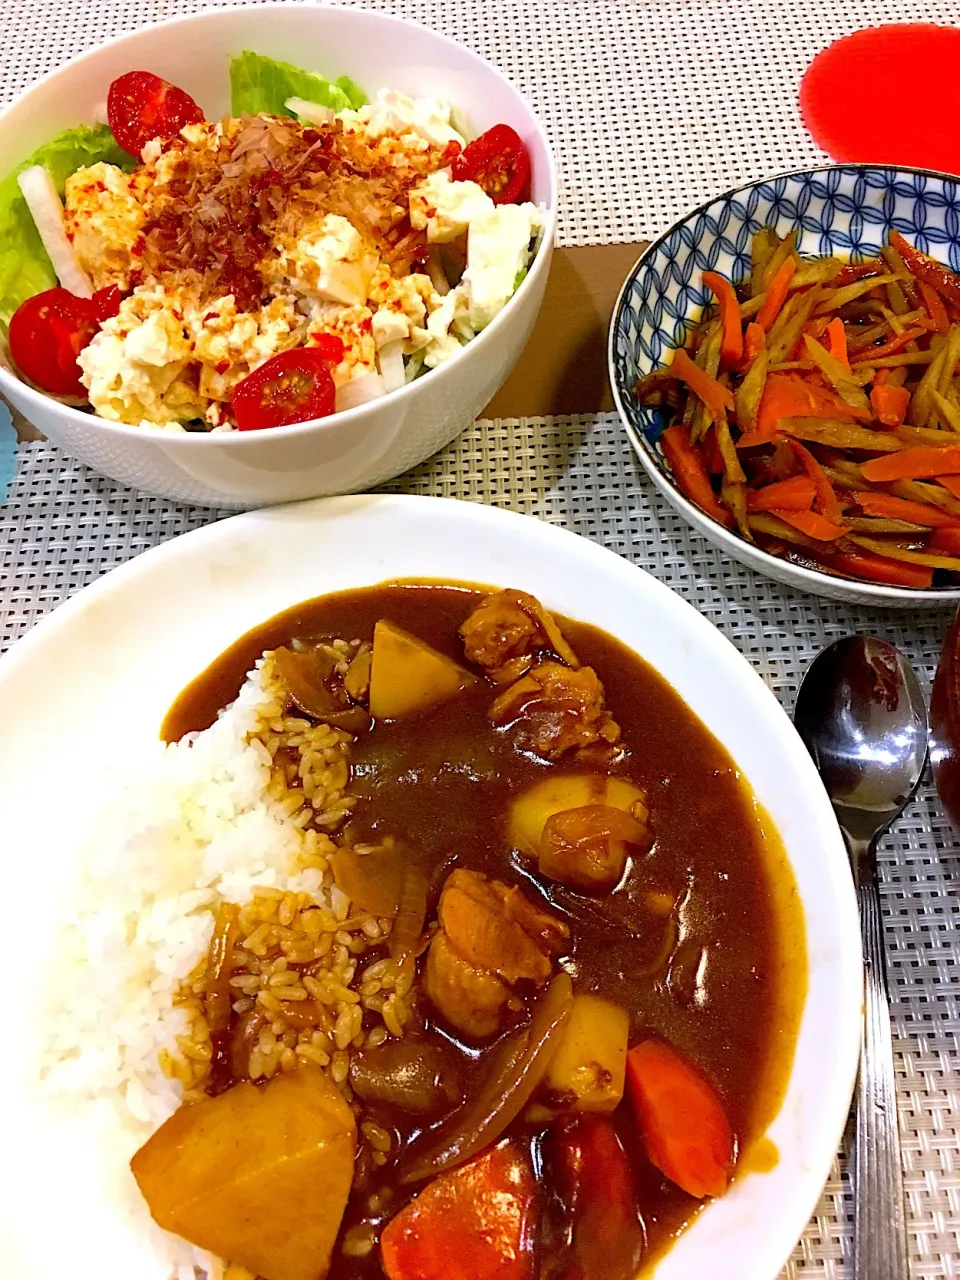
{"x":517,"y":1067}
{"x":412,"y":912}
{"x":372,"y":881}
{"x":304,"y":675}
{"x":218,"y":999}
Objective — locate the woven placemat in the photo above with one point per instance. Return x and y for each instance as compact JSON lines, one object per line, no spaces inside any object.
{"x":652,"y":106}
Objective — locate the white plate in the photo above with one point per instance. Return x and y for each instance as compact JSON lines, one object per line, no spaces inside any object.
{"x":104,"y":668}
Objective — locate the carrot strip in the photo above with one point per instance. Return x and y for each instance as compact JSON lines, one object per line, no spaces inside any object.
{"x":715,"y":397}
{"x":913,"y":464}
{"x":837,"y":341}
{"x":827,"y":498}
{"x":890,"y":404}
{"x":690,"y":470}
{"x":811,"y":523}
{"x":797,"y":493}
{"x":888,"y":507}
{"x":787,"y":396}
{"x":934,"y":305}
{"x":682,"y":1120}
{"x":951,"y":484}
{"x":863,"y":564}
{"x":776,"y":294}
{"x":927,"y":269}
{"x":731,"y":346}
{"x":947,"y":541}
{"x":852,"y":271}
{"x":753,"y":343}
{"x":891,"y":348}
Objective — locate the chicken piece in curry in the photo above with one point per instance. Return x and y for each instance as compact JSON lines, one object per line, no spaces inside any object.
{"x":575,"y":895}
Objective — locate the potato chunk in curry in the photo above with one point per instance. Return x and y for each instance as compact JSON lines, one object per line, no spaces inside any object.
{"x":407,"y":675}
{"x":587,"y":1071}
{"x":490,"y":937}
{"x":257,"y":1175}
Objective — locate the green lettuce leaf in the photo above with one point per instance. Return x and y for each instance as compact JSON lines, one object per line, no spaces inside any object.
{"x":24,"y":266}
{"x":259,"y":84}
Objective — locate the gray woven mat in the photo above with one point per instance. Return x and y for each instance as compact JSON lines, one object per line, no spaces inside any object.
{"x":652,"y":106}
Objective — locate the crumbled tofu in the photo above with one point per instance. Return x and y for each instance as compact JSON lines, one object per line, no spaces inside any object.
{"x":419,"y":122}
{"x":103,"y":219}
{"x":331,"y":262}
{"x":133,"y":367}
{"x":165,"y":359}
{"x":498,"y":249}
{"x":354,"y":327}
{"x":230,"y":344}
{"x":442,"y":344}
{"x":446,"y":208}
{"x":400,"y":306}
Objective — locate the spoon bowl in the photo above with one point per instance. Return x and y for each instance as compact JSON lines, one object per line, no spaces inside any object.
{"x":861,"y":713}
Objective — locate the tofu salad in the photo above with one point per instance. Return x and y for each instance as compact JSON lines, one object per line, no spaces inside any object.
{"x":308,"y":253}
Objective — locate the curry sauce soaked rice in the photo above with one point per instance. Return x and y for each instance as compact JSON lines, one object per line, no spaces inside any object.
{"x":246,"y":812}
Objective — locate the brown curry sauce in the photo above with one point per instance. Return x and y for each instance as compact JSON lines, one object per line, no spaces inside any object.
{"x":729,"y":993}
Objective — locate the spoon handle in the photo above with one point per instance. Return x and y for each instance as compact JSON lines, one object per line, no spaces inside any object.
{"x":879,"y":1232}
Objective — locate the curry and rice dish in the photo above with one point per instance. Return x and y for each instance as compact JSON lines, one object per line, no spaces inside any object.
{"x":480,"y":964}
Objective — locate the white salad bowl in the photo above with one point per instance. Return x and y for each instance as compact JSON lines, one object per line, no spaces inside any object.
{"x":98,"y":675}
{"x":360,"y":447}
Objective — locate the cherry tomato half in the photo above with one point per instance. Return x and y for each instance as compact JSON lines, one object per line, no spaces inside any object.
{"x":141,"y":106}
{"x":47,"y":333}
{"x":107,"y":302}
{"x":295,"y":386}
{"x":499,"y":162}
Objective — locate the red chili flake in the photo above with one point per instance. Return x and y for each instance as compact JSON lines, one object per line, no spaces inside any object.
{"x":223,"y":366}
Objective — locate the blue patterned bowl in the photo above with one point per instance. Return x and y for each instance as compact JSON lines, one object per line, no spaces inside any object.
{"x":846,"y":210}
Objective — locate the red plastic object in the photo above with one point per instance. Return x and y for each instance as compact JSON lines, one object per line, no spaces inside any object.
{"x":850,"y":96}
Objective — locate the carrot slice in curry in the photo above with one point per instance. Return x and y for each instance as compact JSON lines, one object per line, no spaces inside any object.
{"x":473,"y":1223}
{"x":682,"y":1120}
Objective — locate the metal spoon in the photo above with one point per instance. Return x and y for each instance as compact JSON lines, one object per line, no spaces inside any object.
{"x":862,"y":716}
